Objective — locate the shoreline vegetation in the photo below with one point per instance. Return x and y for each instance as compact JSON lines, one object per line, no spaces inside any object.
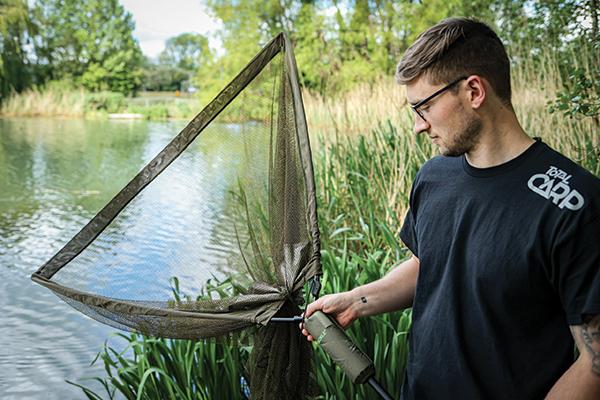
{"x":366,"y":158}
{"x":71,"y":59}
{"x":354,"y":113}
{"x":56,"y":101}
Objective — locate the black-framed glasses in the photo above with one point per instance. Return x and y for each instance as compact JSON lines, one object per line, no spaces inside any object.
{"x":442,"y":90}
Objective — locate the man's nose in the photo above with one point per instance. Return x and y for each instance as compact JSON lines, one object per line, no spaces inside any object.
{"x":420,"y":125}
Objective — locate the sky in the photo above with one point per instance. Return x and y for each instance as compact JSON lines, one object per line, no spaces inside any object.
{"x":158,"y":20}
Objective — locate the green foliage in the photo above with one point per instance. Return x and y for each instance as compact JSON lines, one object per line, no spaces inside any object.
{"x":15,"y":27}
{"x":338,"y":43}
{"x":177,"y":63}
{"x":151,"y":368}
{"x":581,"y":94}
{"x":345,"y":42}
{"x":160,"y":77}
{"x":360,"y":219}
{"x":111,"y":102}
{"x":186,"y":51}
{"x":91,"y":42}
{"x":241,"y":41}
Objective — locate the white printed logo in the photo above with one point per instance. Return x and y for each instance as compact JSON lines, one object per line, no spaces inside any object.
{"x":554,"y":184}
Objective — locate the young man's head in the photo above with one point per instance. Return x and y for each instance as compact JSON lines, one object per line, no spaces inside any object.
{"x":466,"y":62}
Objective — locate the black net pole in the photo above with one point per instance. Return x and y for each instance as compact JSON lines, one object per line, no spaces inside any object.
{"x":379,"y":389}
{"x":287,"y":319}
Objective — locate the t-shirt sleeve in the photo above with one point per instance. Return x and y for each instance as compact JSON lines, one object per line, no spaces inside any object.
{"x":408,"y":233}
{"x":576,"y":262}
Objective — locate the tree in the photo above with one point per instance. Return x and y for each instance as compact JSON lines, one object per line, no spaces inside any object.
{"x":339,"y":43}
{"x":91,"y":42}
{"x":15,"y":29}
{"x":160,"y":77}
{"x":185,"y":51}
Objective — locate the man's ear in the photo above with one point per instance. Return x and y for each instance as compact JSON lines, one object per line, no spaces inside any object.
{"x":476,"y":90}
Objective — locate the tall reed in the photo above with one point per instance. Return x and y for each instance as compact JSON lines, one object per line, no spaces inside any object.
{"x":57,"y":101}
{"x":360,"y":216}
{"x":49,"y":102}
{"x":151,"y":368}
{"x":365,"y":159}
{"x":361,"y":110}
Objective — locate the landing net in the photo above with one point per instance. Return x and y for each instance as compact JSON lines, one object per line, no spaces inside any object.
{"x":219,"y":231}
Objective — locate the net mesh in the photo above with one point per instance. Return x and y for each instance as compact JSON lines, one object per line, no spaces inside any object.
{"x":218,"y":232}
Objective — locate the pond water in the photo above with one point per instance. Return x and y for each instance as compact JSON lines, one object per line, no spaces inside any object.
{"x":55,"y":175}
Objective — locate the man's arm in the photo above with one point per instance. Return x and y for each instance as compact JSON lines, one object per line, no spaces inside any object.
{"x":582,"y":380}
{"x":395,"y":291}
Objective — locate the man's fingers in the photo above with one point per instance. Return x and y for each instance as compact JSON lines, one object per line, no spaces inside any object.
{"x":308,"y":335}
{"x":314,"y":306}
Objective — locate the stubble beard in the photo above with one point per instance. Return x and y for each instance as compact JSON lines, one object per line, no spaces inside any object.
{"x":465,"y":139}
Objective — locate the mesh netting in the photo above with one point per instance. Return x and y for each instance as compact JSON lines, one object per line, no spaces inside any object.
{"x":218,"y":231}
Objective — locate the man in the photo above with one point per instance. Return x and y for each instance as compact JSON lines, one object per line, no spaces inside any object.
{"x":505,"y":236}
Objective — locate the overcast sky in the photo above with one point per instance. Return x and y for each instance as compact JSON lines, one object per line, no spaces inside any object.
{"x":158,"y":20}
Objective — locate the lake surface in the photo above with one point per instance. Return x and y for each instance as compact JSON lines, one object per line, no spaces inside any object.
{"x":55,"y":175}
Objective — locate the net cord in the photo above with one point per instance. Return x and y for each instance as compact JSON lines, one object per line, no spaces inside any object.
{"x":101,"y":220}
{"x":280,"y":44}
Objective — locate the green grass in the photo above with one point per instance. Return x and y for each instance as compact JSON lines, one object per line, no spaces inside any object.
{"x":360,"y":223}
{"x":362,"y":186}
{"x":364,"y":169}
{"x":58,"y":100}
{"x":150,"y":368}
{"x":49,"y":102}
{"x":360,"y":216}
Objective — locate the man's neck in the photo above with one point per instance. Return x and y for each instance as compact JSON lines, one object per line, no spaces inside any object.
{"x":501,"y":140}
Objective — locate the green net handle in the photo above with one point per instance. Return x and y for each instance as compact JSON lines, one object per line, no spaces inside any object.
{"x":340,"y":348}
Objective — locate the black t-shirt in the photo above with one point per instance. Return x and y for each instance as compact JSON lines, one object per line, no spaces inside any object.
{"x":510,"y":257}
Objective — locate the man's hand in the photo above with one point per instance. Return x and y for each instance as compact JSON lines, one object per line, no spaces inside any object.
{"x":393,"y":292}
{"x":340,"y":306}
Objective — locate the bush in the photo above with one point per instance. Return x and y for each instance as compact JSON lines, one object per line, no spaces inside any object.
{"x":111,"y":102}
{"x":581,"y":94}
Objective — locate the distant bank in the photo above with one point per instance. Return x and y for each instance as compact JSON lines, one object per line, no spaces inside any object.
{"x":99,"y":105}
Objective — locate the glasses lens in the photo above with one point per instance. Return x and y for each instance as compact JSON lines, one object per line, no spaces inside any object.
{"x":418,"y":112}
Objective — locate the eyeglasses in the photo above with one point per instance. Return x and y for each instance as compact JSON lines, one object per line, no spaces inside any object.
{"x":424,"y":101}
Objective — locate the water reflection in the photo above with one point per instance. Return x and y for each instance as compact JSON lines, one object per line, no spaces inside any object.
{"x":181,"y":224}
{"x":54,"y":176}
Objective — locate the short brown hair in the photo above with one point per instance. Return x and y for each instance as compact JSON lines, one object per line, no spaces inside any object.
{"x":458,"y":47}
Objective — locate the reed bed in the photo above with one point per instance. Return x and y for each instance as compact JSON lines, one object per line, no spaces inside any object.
{"x":151,"y":368}
{"x":358,"y":111}
{"x":535,"y":85}
{"x":56,"y":101}
{"x":365,"y":159}
{"x":361,"y":209}
{"x":360,"y":216}
{"x":45,"y":103}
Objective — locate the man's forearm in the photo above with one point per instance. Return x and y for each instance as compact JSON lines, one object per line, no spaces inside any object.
{"x":395,"y":291}
{"x":582,"y":380}
{"x":577,"y":383}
